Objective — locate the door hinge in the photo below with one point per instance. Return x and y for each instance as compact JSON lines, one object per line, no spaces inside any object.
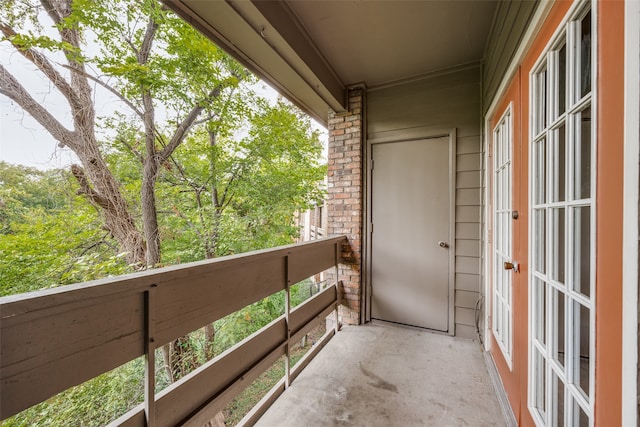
{"x":372,"y":163}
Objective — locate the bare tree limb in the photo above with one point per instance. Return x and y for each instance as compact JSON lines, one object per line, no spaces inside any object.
{"x":205,"y":119}
{"x":188,"y":121}
{"x":189,"y":223}
{"x":135,"y":152}
{"x":108,"y":87}
{"x":11,"y":88}
{"x":43,"y":64}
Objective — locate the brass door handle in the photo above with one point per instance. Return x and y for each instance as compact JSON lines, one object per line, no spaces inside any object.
{"x":511,"y":266}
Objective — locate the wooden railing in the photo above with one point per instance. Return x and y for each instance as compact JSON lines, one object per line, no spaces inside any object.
{"x":55,"y":339}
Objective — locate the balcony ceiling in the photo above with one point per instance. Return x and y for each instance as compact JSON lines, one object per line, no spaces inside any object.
{"x":378,"y":42}
{"x":313,"y":50}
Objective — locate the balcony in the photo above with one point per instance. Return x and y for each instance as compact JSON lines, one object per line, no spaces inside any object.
{"x":380,"y":374}
{"x":52,"y":340}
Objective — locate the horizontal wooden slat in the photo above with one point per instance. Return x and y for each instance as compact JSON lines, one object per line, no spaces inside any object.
{"x":468,"y":197}
{"x":469,"y":179}
{"x":317,"y":320}
{"x":315,"y":305}
{"x":468,"y":230}
{"x":467,"y":265}
{"x":469,"y":144}
{"x":185,"y":306}
{"x":468,"y":247}
{"x":261,"y":407}
{"x":133,"y":418}
{"x":219,"y":403}
{"x":469,"y":213}
{"x":310,"y":260}
{"x":313,"y":351}
{"x":52,"y":353}
{"x":217,"y":376}
{"x":468,"y":282}
{"x":54,"y":339}
{"x":468,"y":162}
{"x":191,"y":393}
{"x":465,"y":316}
{"x":182,"y":398}
{"x":466,"y":299}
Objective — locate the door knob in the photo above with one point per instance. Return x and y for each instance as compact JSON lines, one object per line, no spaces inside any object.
{"x":511,"y":266}
{"x":443,"y":244}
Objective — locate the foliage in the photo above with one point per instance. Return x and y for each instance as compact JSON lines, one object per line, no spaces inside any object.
{"x":194,"y":165}
{"x":49,"y":236}
{"x":93,"y":403}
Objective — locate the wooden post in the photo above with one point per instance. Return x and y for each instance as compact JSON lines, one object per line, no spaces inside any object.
{"x":149,"y":357}
{"x":337,"y":285}
{"x":287,"y":313}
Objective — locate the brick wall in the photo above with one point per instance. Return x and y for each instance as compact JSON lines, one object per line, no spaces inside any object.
{"x":345,"y":192}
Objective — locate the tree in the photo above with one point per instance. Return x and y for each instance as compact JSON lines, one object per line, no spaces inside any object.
{"x":242,"y":196}
{"x":146,"y":56}
{"x":194,"y":165}
{"x":40,"y":210}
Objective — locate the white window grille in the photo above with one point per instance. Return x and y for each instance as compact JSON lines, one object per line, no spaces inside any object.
{"x":562,"y":233}
{"x":502,"y":235}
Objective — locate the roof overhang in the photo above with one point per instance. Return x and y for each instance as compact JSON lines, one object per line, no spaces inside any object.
{"x":267,"y":39}
{"x":312,"y":51}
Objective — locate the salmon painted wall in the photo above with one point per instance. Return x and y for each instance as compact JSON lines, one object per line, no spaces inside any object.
{"x":609,"y":167}
{"x":609,"y":186}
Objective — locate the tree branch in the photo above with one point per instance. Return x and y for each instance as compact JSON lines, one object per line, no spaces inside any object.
{"x":43,"y":64}
{"x":204,"y":120}
{"x":11,"y":88}
{"x":107,"y":87}
{"x":189,"y":223}
{"x":85,"y":188}
{"x":135,"y":152}
{"x":235,"y":175}
{"x":52,"y":11}
{"x":84,"y":113}
{"x":188,"y":122}
{"x":147,"y":41}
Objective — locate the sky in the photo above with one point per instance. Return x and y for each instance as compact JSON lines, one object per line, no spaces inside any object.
{"x":24,"y":141}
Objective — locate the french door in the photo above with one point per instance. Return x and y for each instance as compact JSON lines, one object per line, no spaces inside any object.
{"x":562,"y":232}
{"x":503,"y":265}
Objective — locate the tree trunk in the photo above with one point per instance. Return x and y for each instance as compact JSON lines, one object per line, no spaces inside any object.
{"x":100,"y":187}
{"x":96,"y":181}
{"x":150,"y":213}
{"x":209,"y":339}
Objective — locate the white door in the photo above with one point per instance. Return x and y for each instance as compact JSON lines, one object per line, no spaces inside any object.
{"x":562,"y":239}
{"x":410,"y":213}
{"x":502,"y":233}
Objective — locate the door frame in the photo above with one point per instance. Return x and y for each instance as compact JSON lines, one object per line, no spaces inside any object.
{"x":403,"y":135}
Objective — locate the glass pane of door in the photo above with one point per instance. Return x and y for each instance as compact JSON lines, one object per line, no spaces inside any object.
{"x":502,"y":231}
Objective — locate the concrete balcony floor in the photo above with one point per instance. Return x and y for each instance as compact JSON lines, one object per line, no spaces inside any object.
{"x":386,"y":375}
